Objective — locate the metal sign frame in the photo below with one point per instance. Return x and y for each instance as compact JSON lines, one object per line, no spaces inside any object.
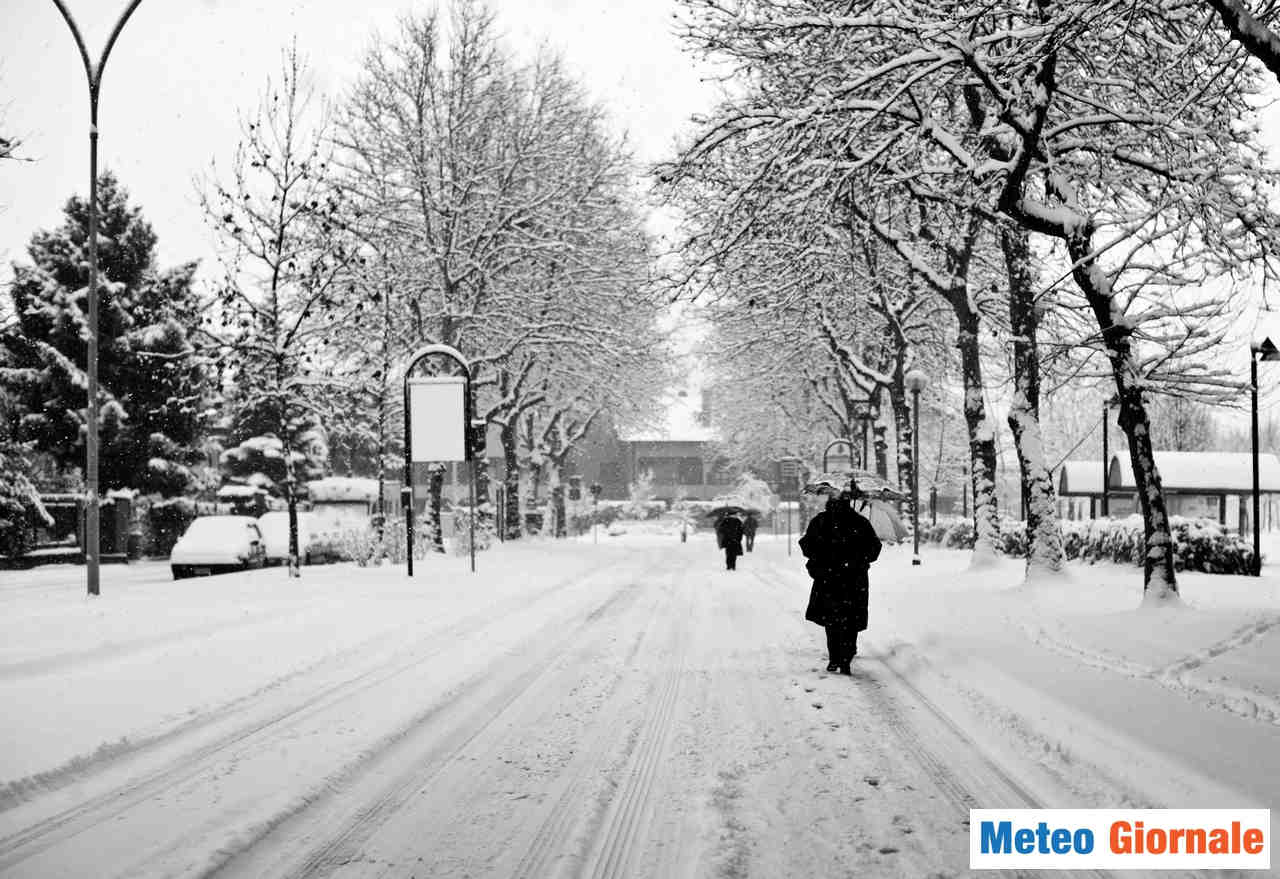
{"x":467,"y":451}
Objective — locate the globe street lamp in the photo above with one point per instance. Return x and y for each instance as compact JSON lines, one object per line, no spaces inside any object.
{"x":94,"y":74}
{"x":1264,"y":350}
{"x":916,"y":382}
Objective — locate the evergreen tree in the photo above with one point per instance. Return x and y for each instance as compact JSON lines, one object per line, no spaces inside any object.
{"x":151,"y":379}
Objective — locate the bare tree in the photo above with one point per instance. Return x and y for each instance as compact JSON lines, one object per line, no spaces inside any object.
{"x":285,"y":252}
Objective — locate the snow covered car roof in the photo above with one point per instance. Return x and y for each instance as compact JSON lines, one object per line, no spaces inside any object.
{"x":215,"y":540}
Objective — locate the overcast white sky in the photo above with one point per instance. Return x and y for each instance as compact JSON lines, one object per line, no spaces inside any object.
{"x":182,"y":69}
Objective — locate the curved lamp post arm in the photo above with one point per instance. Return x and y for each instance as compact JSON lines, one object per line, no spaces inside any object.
{"x":94,"y":73}
{"x":94,"y":76}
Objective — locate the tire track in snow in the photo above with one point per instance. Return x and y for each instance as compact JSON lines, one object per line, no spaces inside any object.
{"x":628,"y":814}
{"x":52,"y":830}
{"x":500,"y":695}
{"x":1178,"y":675}
{"x":557,"y":828}
{"x":986,"y":778}
{"x":618,"y":825}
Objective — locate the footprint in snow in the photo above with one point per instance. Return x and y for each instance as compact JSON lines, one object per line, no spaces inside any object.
{"x":872,"y":780}
{"x":817,"y":705}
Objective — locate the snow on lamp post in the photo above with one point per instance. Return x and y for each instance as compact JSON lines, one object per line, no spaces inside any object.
{"x":916,"y":382}
{"x":94,"y":74}
{"x":1266,"y":351}
{"x":1107,"y":406}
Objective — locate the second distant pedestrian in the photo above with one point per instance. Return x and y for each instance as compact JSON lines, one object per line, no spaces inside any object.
{"x":729,"y":538}
{"x":749,"y":526}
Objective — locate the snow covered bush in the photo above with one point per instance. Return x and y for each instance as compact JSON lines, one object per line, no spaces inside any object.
{"x":360,"y":545}
{"x":1199,"y":544}
{"x":1013,"y":538}
{"x":20,"y":507}
{"x":484,"y":537}
{"x":168,"y":519}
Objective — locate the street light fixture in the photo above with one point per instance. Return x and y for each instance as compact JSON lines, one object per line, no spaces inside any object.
{"x":836,"y":443}
{"x":1266,"y":351}
{"x":94,"y":74}
{"x":916,"y":382}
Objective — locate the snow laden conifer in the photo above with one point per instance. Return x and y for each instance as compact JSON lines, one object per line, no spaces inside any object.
{"x":152,"y":382}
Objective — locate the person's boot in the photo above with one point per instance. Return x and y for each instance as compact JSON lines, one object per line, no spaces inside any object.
{"x":833,"y":666}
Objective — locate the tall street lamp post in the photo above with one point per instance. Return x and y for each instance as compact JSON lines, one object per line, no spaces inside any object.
{"x":916,"y":381}
{"x":94,"y":74}
{"x":864,"y":419}
{"x":1267,"y":351}
{"x":1107,"y":406}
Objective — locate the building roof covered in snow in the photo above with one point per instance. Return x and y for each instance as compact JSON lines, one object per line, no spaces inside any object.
{"x":342,"y":490}
{"x":1206,"y":472}
{"x":686,"y":421}
{"x":1080,"y":478}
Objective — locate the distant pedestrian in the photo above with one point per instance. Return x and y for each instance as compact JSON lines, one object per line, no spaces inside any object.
{"x":840,"y":545}
{"x":729,"y":538}
{"x":749,"y":526}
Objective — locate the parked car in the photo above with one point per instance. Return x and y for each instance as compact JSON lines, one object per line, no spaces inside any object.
{"x":275,"y":534}
{"x":216,"y":545}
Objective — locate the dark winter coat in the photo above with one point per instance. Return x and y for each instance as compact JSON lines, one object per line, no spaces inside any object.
{"x":729,"y":534}
{"x":749,"y":527}
{"x":840,"y":544}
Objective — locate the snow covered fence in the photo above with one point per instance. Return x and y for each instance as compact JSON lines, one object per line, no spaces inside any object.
{"x":1199,"y":544}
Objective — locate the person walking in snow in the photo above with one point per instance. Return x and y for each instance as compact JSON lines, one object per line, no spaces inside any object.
{"x":749,"y":526}
{"x":729,"y":538}
{"x":840,"y":545}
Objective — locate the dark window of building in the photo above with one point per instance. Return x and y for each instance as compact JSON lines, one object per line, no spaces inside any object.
{"x":690,"y":471}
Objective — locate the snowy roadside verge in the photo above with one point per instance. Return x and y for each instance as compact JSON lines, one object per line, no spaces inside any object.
{"x":1094,"y":700}
{"x":155,"y":665}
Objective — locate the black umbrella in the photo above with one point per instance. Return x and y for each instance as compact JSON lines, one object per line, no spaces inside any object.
{"x":731,"y":510}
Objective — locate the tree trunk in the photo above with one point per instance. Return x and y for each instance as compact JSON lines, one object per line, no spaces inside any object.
{"x":1044,"y":533}
{"x":511,"y":480}
{"x":1160,"y":584}
{"x":903,"y":431}
{"x":880,"y":443}
{"x":557,"y":500}
{"x":435,"y":484}
{"x":982,"y":438}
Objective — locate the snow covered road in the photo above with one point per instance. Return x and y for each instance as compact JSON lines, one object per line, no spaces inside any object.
{"x":572,"y":710}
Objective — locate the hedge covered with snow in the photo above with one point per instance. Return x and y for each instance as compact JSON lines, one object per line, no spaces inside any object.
{"x":1199,"y":544}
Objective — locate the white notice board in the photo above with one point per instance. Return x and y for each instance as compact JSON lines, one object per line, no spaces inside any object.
{"x":437,"y":419}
